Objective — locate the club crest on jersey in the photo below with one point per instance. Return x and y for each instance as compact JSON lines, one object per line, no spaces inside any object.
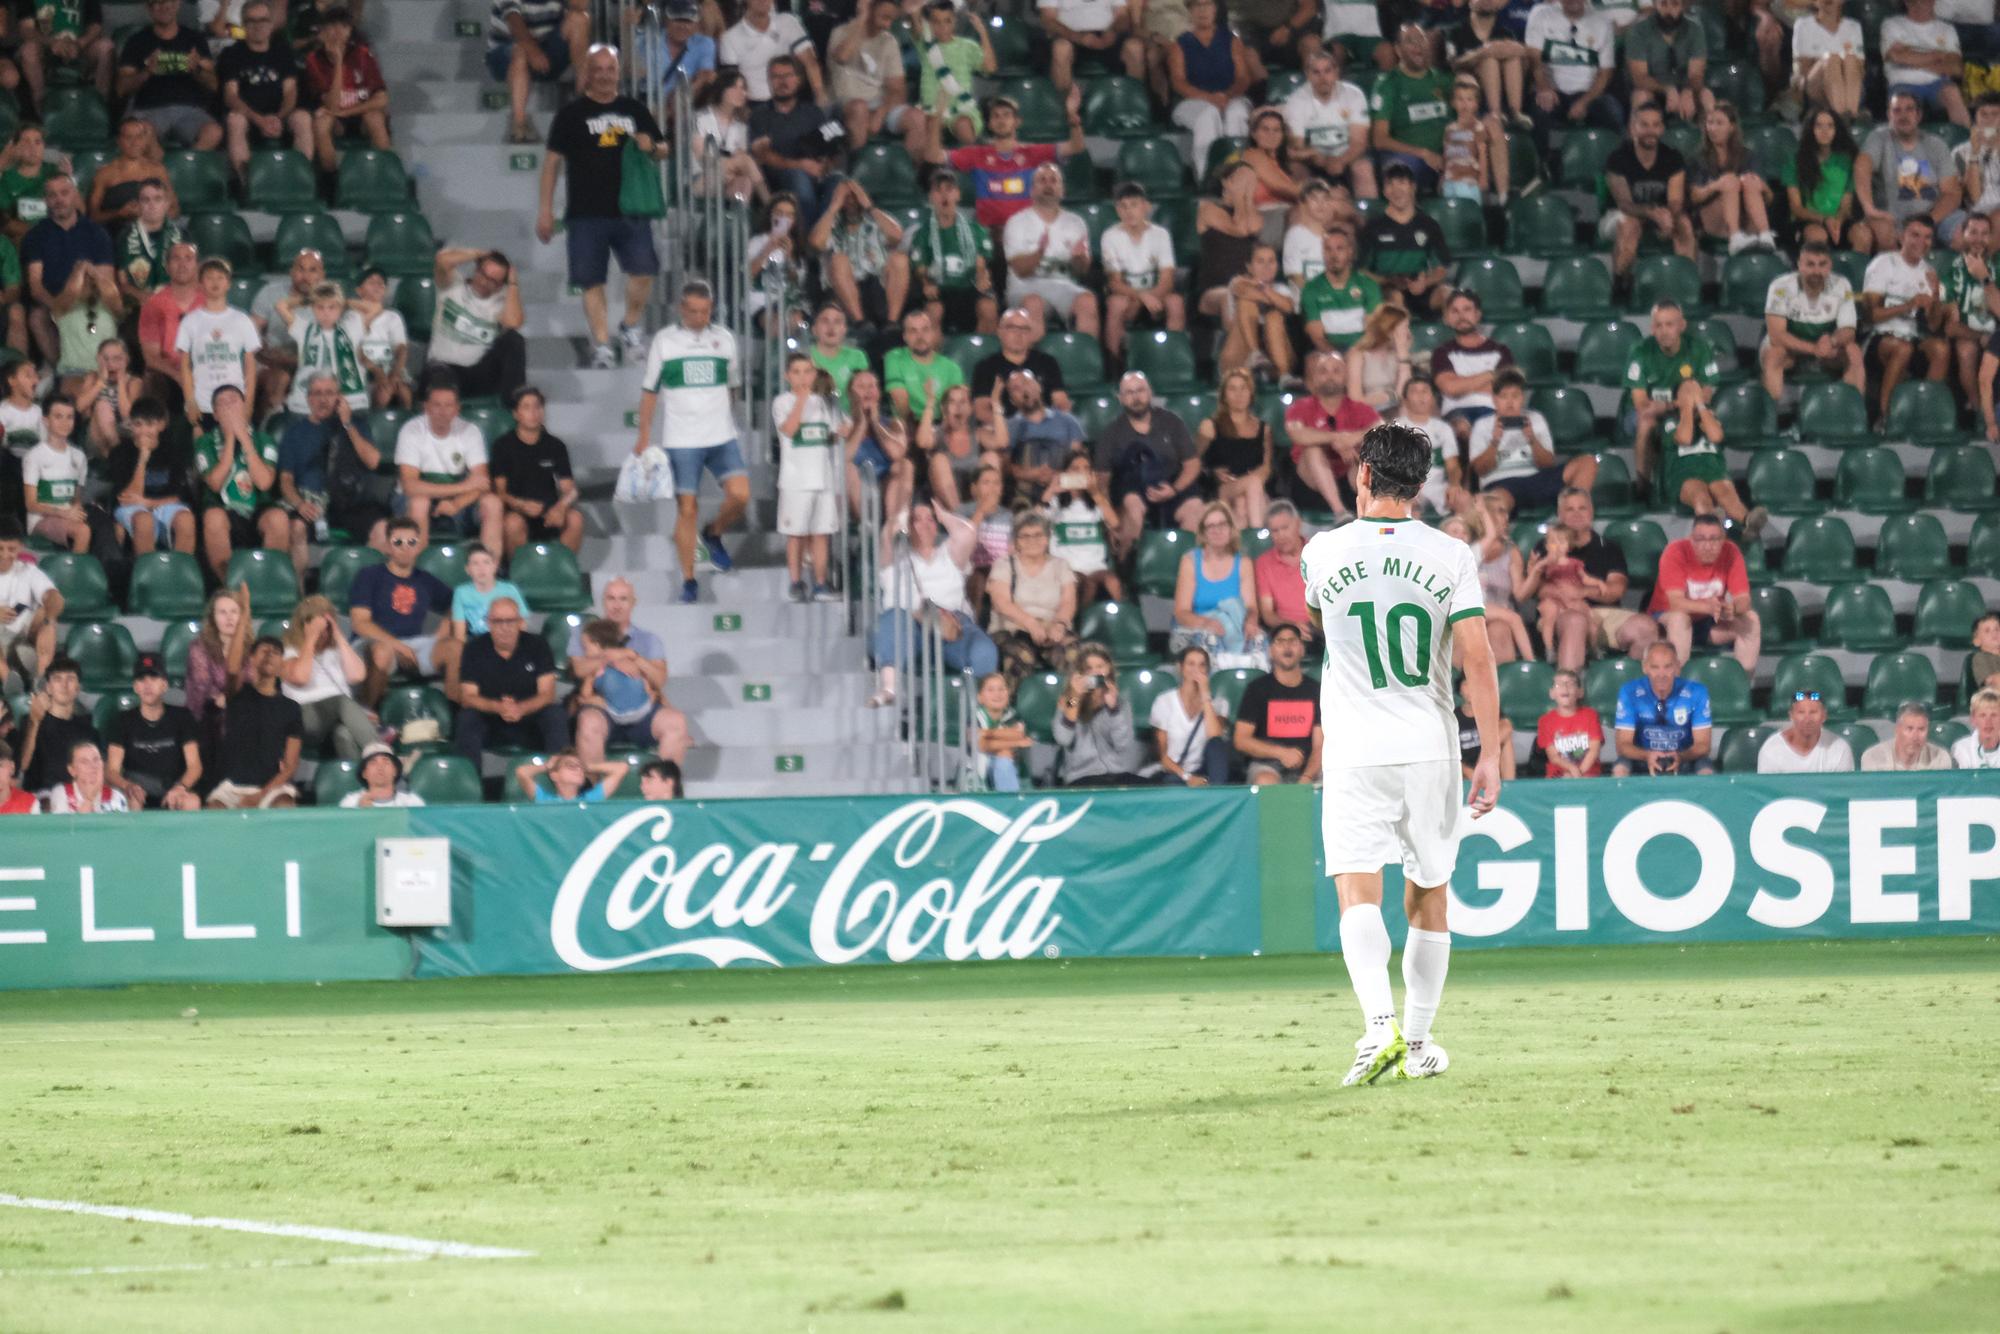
{"x":1680,"y":716}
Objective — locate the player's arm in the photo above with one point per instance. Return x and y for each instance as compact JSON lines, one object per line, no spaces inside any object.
{"x":1482,"y":697}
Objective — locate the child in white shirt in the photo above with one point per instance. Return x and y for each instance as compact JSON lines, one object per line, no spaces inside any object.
{"x":809,"y":426}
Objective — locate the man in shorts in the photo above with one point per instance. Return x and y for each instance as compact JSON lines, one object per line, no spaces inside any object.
{"x":1048,"y":252}
{"x":1389,"y":594}
{"x":688,"y":372}
{"x":865,"y":63}
{"x":166,"y":71}
{"x":390,"y":606}
{"x":1702,"y":595}
{"x":529,"y":42}
{"x":1512,"y":450}
{"x":1606,"y":625}
{"x":442,"y":465}
{"x":1809,"y":320}
{"x":238,"y":468}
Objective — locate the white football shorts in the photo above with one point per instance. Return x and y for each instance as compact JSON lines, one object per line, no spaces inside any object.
{"x":1387,"y":814}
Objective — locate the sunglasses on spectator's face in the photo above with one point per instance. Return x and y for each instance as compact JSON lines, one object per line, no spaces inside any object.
{"x":1812,"y":695}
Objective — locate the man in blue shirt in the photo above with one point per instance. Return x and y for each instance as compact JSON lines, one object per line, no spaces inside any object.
{"x":1663,"y":722}
{"x":680,"y":55}
{"x":390,"y":606}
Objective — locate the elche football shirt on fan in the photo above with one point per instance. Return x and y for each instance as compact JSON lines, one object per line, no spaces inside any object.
{"x":1140,"y":259}
{"x":1807,"y":316}
{"x":467,"y":324}
{"x":1388,"y":592}
{"x":690,"y":371}
{"x":440,"y":460}
{"x":805,"y":460}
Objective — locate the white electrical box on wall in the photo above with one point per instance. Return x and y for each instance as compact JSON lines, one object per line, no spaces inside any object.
{"x":412,"y":882}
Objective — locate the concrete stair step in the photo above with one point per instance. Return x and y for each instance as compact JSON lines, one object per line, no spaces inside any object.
{"x":747,"y":655}
{"x":879,"y":763}
{"x":784,"y":786}
{"x":752,"y":725}
{"x":759,"y":618}
{"x":416,"y":21}
{"x":708,"y":695}
{"x":460,"y":59}
{"x":738,"y":590}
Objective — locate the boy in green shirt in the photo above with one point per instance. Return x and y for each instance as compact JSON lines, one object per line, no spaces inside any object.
{"x":950,"y":63}
{"x":950,"y":261}
{"x":239,"y":476}
{"x":831,"y":352}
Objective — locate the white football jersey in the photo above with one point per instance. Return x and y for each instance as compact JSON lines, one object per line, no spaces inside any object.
{"x":1389,"y":592}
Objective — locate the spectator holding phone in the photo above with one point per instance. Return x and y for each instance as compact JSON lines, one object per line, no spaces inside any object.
{"x":1093,"y":726}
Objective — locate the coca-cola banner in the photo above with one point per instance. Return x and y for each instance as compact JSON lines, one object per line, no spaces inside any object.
{"x":834,"y":881}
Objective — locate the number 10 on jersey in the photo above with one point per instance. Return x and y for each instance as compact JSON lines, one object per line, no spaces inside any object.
{"x":1391,"y":629}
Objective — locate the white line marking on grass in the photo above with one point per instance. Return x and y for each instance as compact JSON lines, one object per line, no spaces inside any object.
{"x":381,"y":1241}
{"x":204,"y":1268}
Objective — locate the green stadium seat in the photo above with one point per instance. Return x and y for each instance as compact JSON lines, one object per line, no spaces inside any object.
{"x":1577,"y":288}
{"x":86,"y":164}
{"x":1895,"y":679}
{"x":1081,"y":358}
{"x":1946,"y":609}
{"x":10,"y":116}
{"x":223,"y":236}
{"x":1524,"y":691}
{"x":416,"y":299}
{"x":401,"y":245}
{"x":1657,"y":278}
{"x":1808,"y":671}
{"x":1948,"y":732}
{"x":334,"y":779}
{"x":1580,"y":162}
{"x":1254,"y":542}
{"x":338,"y":567}
{"x":1140,"y":686}
{"x":1464,"y":224}
{"x":274,"y":585}
{"x":1159,"y":559}
{"x":1604,"y":678}
{"x":1542,"y":226}
{"x":1923,"y":412}
{"x":492,"y":420}
{"x":1748,"y":417}
{"x":1738,"y":753}
{"x":1099,"y":216}
{"x":372,"y":181}
{"x":384,"y":423}
{"x":1527,"y":534}
{"x":1852,"y":266}
{"x":968,"y":350}
{"x":1722,"y":338}
{"x":1834,"y":415}
{"x":1533,"y":348}
{"x":201,"y":181}
{"x":1684,"y":136}
{"x":167,"y":586}
{"x":1778,"y":619}
{"x":1858,"y":736}
{"x":1035,"y":700}
{"x":1230,"y":685}
{"x":1615,"y":494}
{"x":1426,"y":335}
{"x":1120,"y":627}
{"x":1192,"y":406}
{"x":1982,"y":549}
{"x":886,"y":172}
{"x":1741,"y":83}
{"x":1166,"y":358}
{"x":1043,"y":120}
{"x":1220,"y":152}
{"x":243,"y":292}
{"x":1859,"y":617}
{"x":174,"y":644}
{"x":1155,"y":163}
{"x":309,"y":231}
{"x":105,"y":652}
{"x":1961,"y":478}
{"x":1497,"y":283}
{"x":1746,"y":281}
{"x":1821,"y":549}
{"x":1774,"y":146}
{"x":75,"y":119}
{"x":1782,"y":481}
{"x":80,"y":579}
{"x":1117,"y":108}
{"x":280,"y":180}
{"x":444,"y":559}
{"x":1604,"y":350}
{"x":548,"y":576}
{"x":1080,"y":179}
{"x":1284,"y":82}
{"x":1642,"y":541}
{"x":1571,"y":419}
{"x":1728,"y":688}
{"x":104,"y":713}
{"x":404,"y":704}
{"x":1096,"y":413}
{"x":1870,"y":479}
{"x":446,"y":780}
{"x":1913,"y":547}
{"x":1011,"y":48}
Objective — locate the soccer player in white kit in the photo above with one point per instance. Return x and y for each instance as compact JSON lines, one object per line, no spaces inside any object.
{"x":1386,"y":592}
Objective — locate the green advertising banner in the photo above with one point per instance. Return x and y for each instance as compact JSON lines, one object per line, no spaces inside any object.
{"x":836,"y":881}
{"x":222,"y":896}
{"x":1728,"y":857}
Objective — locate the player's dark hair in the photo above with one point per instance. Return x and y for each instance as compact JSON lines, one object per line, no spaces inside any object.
{"x":276,"y":644}
{"x":1398,"y":459}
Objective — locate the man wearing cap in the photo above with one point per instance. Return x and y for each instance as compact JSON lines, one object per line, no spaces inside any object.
{"x":153,"y":752}
{"x":869,"y":90}
{"x":681,"y":55}
{"x":1003,"y":167}
{"x":381,"y":782}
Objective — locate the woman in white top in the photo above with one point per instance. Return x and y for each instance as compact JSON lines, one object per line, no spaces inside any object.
{"x":1188,"y":727}
{"x":319,"y":674}
{"x":722,"y":118}
{"x":1827,"y":59}
{"x":923,"y":582}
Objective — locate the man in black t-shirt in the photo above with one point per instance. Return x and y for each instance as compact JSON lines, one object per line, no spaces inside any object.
{"x":531,"y":473}
{"x":587,"y":138}
{"x":153,"y":472}
{"x":797,"y":142}
{"x":1017,"y":353}
{"x":507,"y":681}
{"x":260,"y":90}
{"x":154,"y":751}
{"x":262,"y":730}
{"x":1648,"y":184}
{"x":1277,"y":730}
{"x":166,"y":70}
{"x":55,"y":724}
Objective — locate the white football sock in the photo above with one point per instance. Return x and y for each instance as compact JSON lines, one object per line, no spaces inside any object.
{"x":1364,"y":947}
{"x":1426,"y":957}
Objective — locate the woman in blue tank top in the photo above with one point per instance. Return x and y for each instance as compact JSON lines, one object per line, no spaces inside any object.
{"x":1215,"y":595}
{"x":1209,"y":69}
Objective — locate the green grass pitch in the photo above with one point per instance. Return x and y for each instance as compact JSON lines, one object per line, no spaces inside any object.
{"x":1791,"y":1137}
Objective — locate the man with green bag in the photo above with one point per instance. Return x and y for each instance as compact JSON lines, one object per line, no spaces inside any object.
{"x":604,"y":139}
